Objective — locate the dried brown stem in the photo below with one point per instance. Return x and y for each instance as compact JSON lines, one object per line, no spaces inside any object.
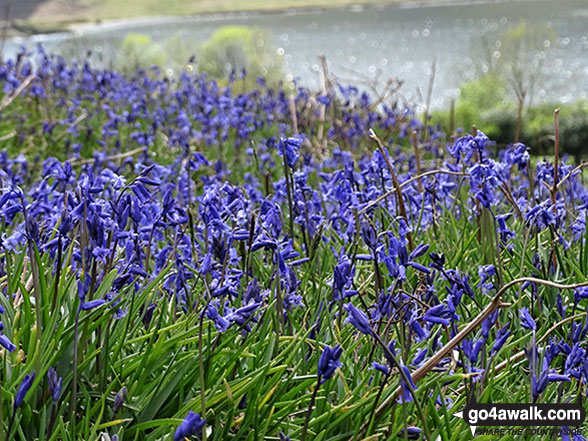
{"x":405,"y":183}
{"x":417,"y":158}
{"x":556,"y":160}
{"x":401,"y":207}
{"x":8,"y":99}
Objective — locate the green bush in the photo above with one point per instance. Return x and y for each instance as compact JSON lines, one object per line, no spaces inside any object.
{"x":139,"y":50}
{"x":233,"y":49}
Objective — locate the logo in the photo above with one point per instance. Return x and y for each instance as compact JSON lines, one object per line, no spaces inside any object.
{"x":521,"y":414}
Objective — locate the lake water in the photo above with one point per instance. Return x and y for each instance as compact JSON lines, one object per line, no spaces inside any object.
{"x":389,"y":41}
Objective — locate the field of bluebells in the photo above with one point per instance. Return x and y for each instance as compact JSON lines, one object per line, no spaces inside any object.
{"x":181,"y":260}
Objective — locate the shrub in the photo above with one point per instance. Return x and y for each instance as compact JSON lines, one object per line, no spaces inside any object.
{"x":139,"y":50}
{"x":233,"y":49}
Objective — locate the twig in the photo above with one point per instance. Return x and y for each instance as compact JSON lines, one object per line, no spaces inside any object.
{"x":556,"y":160}
{"x":7,"y":99}
{"x":417,"y":158}
{"x":570,"y":174}
{"x":111,"y":157}
{"x":401,"y":207}
{"x":405,"y":183}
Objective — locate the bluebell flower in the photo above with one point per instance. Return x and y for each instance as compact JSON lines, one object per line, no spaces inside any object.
{"x":290,"y":149}
{"x":55,"y":382}
{"x":486,"y":272}
{"x":329,"y":362}
{"x":243,"y":315}
{"x":358,"y":319}
{"x":380,"y":367}
{"x":438,"y":314}
{"x":192,"y":425}
{"x":501,"y":337}
{"x":5,"y":341}
{"x":437,"y":261}
{"x":412,"y":433}
{"x":86,"y":306}
{"x":219,"y":321}
{"x":526,"y":319}
{"x":119,"y":400}
{"x":26,"y":384}
{"x":343,"y":278}
{"x":406,"y":395}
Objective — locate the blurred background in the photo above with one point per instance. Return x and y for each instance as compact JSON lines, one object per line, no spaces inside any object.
{"x":494,"y":63}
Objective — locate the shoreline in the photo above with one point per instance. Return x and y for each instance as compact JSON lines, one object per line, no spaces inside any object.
{"x":28,"y":28}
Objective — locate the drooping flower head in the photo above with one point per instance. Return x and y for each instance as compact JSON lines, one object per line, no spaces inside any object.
{"x":289,"y":148}
{"x":192,"y":425}
{"x":26,"y":384}
{"x":329,"y":362}
{"x":358,"y":318}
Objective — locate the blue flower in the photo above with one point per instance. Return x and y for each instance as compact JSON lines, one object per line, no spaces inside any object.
{"x":526,"y":319}
{"x":501,"y":337}
{"x":329,"y":362}
{"x":380,"y":367}
{"x":358,"y":319}
{"x":192,"y":425}
{"x":55,"y":383}
{"x":4,"y":340}
{"x":406,"y":395}
{"x":26,"y":384}
{"x":289,"y":148}
{"x":86,"y":306}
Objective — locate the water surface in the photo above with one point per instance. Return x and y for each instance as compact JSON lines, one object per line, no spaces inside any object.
{"x":383,"y":42}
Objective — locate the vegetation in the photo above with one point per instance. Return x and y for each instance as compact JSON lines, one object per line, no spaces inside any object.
{"x":183,"y":260}
{"x":235,"y":50}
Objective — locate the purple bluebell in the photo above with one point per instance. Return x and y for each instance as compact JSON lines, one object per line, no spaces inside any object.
{"x":25,"y":386}
{"x":501,"y":337}
{"x":192,"y":425}
{"x":380,"y":367}
{"x":526,"y":319}
{"x":411,"y":433}
{"x":289,"y":148}
{"x":358,"y":319}
{"x":55,"y":382}
{"x":5,"y":341}
{"x":119,"y":400}
{"x":86,"y":306}
{"x":406,"y":394}
{"x":329,"y":362}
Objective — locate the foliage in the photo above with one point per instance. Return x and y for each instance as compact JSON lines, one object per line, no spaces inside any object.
{"x":190,"y":268}
{"x":139,"y":50}
{"x":234,"y":49}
